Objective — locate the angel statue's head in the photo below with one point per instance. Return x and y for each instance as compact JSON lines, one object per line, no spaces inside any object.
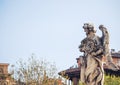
{"x":88,"y":27}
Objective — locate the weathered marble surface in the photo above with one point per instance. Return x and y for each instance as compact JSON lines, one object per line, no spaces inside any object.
{"x":94,"y":48}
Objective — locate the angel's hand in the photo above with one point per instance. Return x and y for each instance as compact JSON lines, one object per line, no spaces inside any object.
{"x":93,"y":54}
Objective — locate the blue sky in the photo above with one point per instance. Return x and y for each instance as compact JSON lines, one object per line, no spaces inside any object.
{"x":52,"y":29}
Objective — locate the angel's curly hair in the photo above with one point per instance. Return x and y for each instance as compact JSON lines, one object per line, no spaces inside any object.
{"x":89,"y":26}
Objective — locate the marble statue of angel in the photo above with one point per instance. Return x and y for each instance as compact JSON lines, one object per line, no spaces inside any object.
{"x":94,"y":48}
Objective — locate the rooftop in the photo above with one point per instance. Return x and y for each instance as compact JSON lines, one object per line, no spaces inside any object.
{"x":116,"y":54}
{"x":4,"y":64}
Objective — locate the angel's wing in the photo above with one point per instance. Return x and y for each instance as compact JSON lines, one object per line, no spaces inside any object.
{"x":105,"y":39}
{"x":107,"y":54}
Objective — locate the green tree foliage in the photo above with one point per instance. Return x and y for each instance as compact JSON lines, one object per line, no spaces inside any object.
{"x":111,"y":80}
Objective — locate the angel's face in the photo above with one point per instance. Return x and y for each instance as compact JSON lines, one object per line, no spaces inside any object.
{"x":86,"y":30}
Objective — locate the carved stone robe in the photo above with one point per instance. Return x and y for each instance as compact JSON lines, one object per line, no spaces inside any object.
{"x":91,"y":65}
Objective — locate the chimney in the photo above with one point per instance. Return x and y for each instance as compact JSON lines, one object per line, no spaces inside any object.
{"x":112,"y":50}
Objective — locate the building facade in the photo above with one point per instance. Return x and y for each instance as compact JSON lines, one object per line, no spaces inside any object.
{"x":5,"y":77}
